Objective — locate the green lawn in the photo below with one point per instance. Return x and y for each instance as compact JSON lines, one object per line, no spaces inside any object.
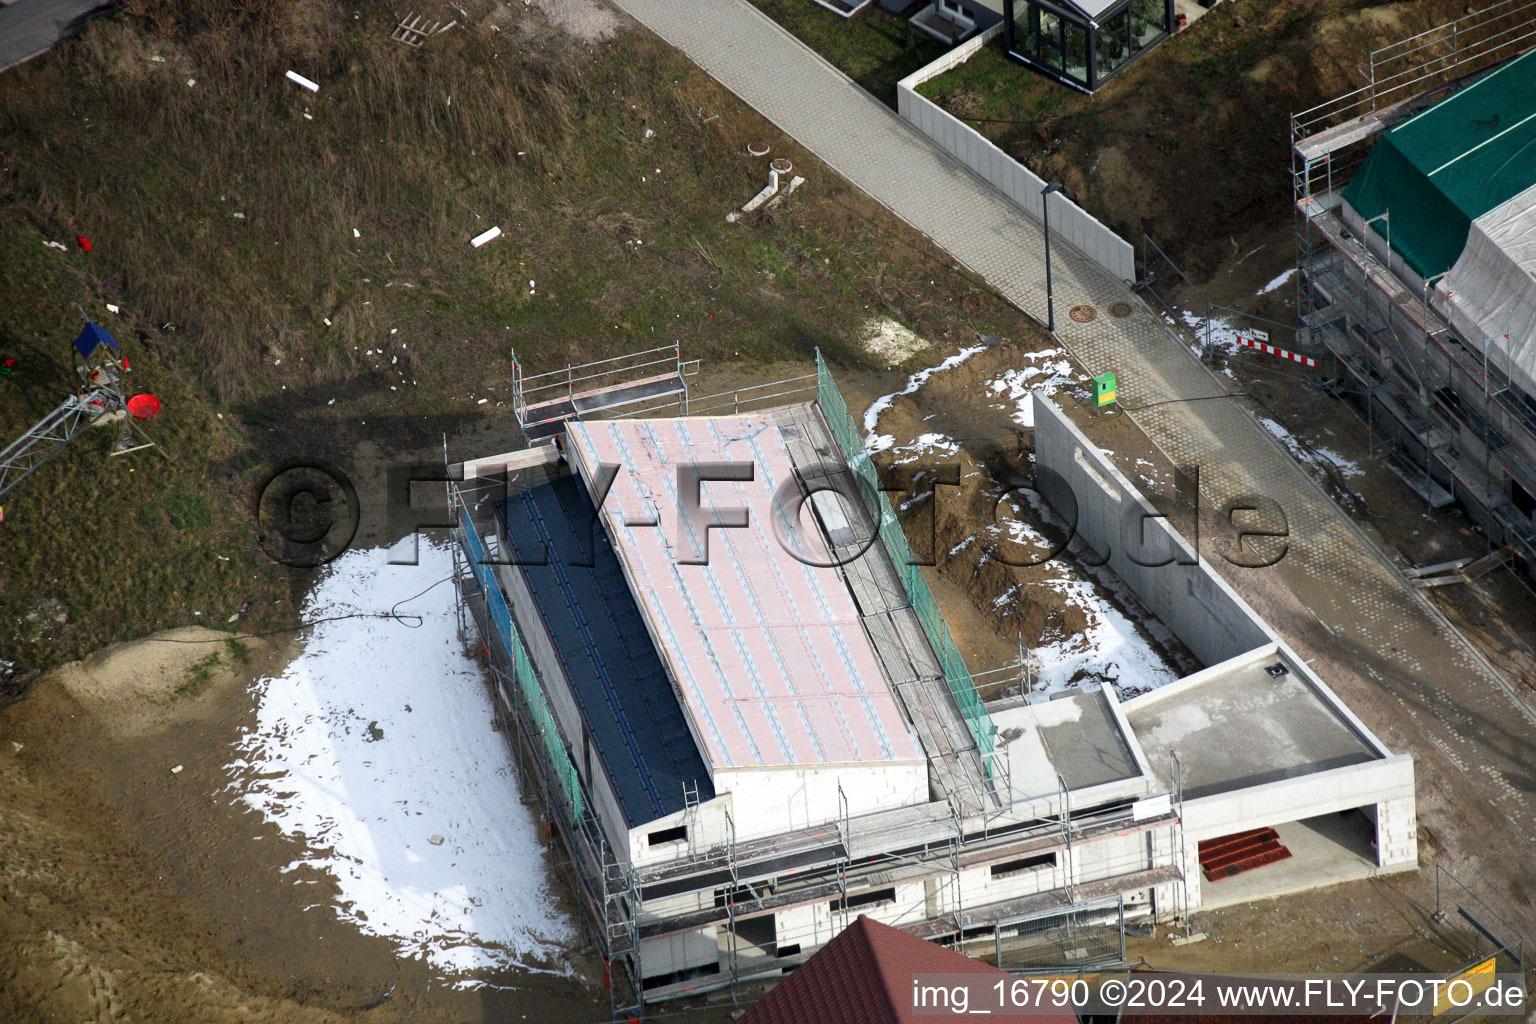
{"x":876,"y":49}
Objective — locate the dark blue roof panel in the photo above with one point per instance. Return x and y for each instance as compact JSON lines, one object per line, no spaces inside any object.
{"x":583,"y":599}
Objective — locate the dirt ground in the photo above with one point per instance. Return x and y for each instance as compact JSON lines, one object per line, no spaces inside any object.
{"x":138,"y":887}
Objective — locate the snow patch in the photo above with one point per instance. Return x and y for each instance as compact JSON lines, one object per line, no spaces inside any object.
{"x":917,"y":380}
{"x":1109,"y":650}
{"x":1277,"y":282}
{"x":1052,"y":373}
{"x":375,"y":746}
{"x":925,"y":448}
{"x":1314,"y":454}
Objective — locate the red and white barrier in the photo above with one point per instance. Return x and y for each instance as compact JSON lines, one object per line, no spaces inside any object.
{"x":1272,"y":350}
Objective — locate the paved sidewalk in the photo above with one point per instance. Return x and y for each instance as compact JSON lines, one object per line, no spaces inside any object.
{"x":1372,"y":624}
{"x":29,"y":28}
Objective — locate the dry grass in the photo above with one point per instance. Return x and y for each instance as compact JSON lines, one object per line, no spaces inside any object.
{"x":608,"y":165}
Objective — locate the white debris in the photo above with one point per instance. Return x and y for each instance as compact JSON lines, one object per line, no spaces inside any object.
{"x":178,"y":769}
{"x":485,"y":236}
{"x":298,"y":79}
{"x":375,"y":741}
{"x":112,"y":307}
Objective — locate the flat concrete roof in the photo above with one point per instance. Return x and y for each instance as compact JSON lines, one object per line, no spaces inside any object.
{"x":770,"y":657}
{"x":1077,"y":736}
{"x":1234,"y":726}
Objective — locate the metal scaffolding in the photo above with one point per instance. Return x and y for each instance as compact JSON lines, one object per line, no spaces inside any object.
{"x":100,"y":400}
{"x":742,"y":880}
{"x":1415,"y":376}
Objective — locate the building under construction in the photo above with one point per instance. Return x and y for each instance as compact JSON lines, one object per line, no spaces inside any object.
{"x":752,"y":725}
{"x":1416,"y":202}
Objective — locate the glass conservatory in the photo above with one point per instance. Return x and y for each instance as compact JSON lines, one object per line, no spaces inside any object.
{"x":1083,"y":42}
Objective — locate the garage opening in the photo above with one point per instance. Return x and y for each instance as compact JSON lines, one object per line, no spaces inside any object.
{"x":1289,"y":857}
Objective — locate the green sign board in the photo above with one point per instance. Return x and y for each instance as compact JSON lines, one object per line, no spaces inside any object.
{"x":1104,"y":389}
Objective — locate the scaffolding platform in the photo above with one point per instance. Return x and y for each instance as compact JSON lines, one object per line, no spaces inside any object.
{"x":1419,"y":481}
{"x":544,"y":402}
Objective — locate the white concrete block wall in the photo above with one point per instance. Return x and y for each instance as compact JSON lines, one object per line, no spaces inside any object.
{"x":808,"y":926}
{"x":1397,"y":832}
{"x":672,"y":906}
{"x":665,"y":954}
{"x":1109,"y":857}
{"x":785,"y":799}
{"x":816,"y":923}
{"x":707,"y":827}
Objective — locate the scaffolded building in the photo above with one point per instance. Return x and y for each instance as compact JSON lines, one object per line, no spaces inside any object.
{"x":1416,"y":200}
{"x":752,"y":725}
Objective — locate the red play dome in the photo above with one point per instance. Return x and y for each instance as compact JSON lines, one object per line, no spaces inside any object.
{"x":143,"y":406}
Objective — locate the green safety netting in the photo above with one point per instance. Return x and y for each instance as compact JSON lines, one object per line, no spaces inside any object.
{"x":918,"y":594}
{"x":1443,"y":168}
{"x":561,"y":770}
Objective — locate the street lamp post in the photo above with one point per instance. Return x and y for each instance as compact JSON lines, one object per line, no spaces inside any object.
{"x":1045,"y":217}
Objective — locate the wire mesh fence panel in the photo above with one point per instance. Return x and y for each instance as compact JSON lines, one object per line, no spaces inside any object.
{"x":1459,"y":906}
{"x":1082,"y":936}
{"x":956,"y":675}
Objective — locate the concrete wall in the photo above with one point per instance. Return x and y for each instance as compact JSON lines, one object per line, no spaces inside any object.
{"x":1383,"y":789}
{"x":783,"y":799}
{"x":1118,"y":523}
{"x":815,"y":924}
{"x":1107,"y":857}
{"x":668,"y":953}
{"x":707,"y":828}
{"x":1007,"y":175}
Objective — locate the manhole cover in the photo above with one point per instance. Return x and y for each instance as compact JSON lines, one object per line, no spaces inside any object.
{"x":757,"y":149}
{"x":1083,"y":314}
{"x":782,"y":166}
{"x":1120,"y":309}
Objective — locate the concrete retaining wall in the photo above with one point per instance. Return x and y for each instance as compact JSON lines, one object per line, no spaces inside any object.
{"x":1118,"y":523}
{"x":1068,"y":221}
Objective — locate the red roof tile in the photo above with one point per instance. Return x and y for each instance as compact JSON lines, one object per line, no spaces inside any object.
{"x":864,"y":976}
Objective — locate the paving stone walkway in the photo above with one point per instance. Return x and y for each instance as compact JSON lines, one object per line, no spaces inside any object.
{"x":29,"y":28}
{"x":1363,"y":621}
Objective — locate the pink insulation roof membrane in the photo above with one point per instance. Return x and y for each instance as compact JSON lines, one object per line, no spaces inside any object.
{"x":767,"y":652}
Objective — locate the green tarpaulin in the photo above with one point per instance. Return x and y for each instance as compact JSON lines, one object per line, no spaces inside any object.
{"x":1446,"y":166}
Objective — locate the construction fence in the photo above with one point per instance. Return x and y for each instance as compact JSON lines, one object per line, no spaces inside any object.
{"x":1084,"y":936}
{"x":919,"y":595}
{"x":565,"y":785}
